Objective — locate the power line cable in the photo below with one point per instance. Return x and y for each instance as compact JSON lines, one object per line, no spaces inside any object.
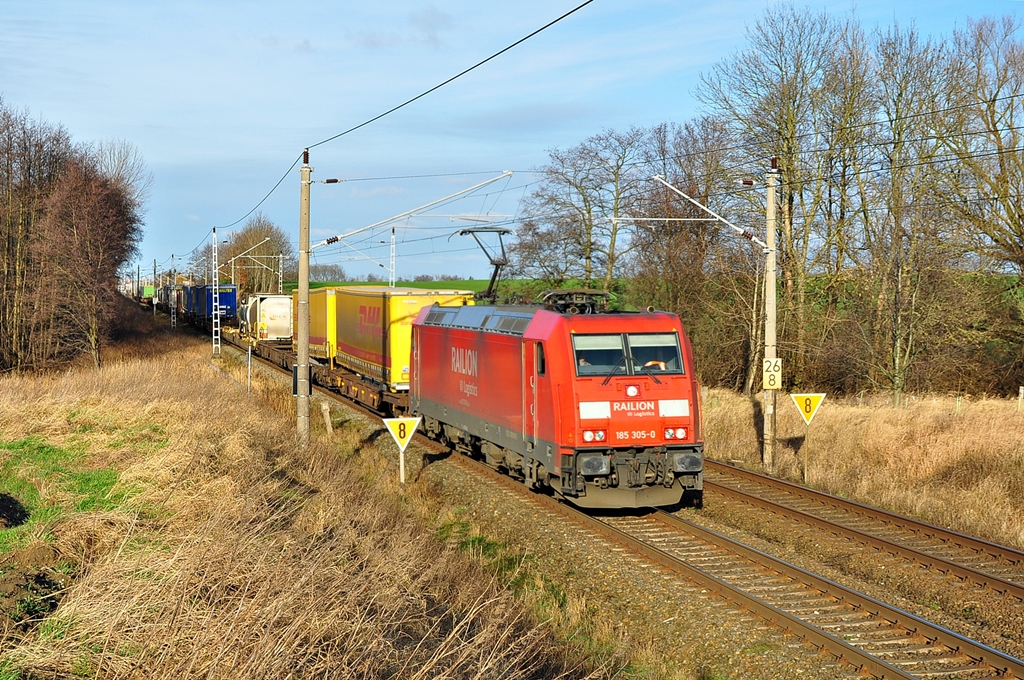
{"x":453,"y":78}
{"x":406,"y":103}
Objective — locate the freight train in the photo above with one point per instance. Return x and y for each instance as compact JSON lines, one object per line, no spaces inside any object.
{"x":194,"y":303}
{"x":600,"y":408}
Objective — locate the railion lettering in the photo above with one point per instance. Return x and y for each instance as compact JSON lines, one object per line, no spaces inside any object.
{"x":465,"y":361}
{"x":633,"y":406}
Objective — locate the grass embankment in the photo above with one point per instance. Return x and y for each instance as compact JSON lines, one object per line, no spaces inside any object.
{"x":184,"y":535}
{"x":203,"y":544}
{"x":959,"y":465}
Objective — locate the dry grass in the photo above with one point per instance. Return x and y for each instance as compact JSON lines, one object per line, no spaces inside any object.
{"x":957,"y":465}
{"x":234,"y":555}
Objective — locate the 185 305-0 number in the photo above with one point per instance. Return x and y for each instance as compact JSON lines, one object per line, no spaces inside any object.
{"x":636,"y":434}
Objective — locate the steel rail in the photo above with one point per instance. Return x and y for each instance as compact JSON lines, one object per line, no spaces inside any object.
{"x":977,"y":545}
{"x":840,"y":650}
{"x":925,"y":559}
{"x":1002,"y":663}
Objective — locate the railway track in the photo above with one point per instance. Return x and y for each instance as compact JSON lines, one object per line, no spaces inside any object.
{"x":870,"y":635}
{"x":981,"y":563}
{"x":897,"y":644}
{"x":867,"y":634}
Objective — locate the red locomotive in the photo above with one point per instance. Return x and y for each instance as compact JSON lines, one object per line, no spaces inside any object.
{"x":601,"y":407}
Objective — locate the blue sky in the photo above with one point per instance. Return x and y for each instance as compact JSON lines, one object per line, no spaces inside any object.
{"x":221,"y":96}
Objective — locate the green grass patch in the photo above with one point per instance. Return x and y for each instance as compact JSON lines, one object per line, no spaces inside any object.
{"x":147,"y":437}
{"x":31,"y":465}
{"x":760,"y":648}
{"x":509,"y":566}
{"x":9,"y":671}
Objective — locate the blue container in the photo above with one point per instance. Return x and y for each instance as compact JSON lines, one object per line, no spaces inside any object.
{"x":228,"y":293}
{"x":188,"y":300}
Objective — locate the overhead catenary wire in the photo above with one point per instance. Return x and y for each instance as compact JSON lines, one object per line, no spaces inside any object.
{"x":453,"y":78}
{"x":677,"y":158}
{"x":403,"y":105}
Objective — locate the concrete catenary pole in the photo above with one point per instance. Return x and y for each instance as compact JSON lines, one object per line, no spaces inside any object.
{"x":770,"y":313}
{"x":302,"y":365}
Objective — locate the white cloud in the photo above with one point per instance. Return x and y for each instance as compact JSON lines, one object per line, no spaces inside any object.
{"x":429,"y":21}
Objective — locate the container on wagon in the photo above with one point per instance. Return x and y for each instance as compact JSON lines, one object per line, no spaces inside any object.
{"x":267,"y":316}
{"x":367,"y":330}
{"x":374,"y":328}
{"x":322,"y":326}
{"x":227,"y":294}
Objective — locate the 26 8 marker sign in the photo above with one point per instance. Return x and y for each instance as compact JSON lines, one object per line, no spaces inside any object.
{"x":771,"y":376}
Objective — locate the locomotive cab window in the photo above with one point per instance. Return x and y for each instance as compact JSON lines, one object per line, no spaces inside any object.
{"x":541,"y":364}
{"x":599,"y":355}
{"x":629,"y":354}
{"x":655,"y":352}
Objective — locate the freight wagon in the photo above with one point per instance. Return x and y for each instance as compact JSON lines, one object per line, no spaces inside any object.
{"x":168,"y":296}
{"x":201,"y":303}
{"x":361,"y":335}
{"x":145,"y":294}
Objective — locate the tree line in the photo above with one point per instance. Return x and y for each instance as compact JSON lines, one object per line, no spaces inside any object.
{"x":900,"y":225}
{"x":70,"y":218}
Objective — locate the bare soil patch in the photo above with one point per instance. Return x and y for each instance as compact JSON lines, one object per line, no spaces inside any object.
{"x":31,"y":584}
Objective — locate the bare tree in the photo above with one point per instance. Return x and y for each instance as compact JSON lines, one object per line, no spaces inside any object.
{"x":773,"y":94}
{"x":980,"y":130}
{"x":252,"y":255}
{"x":33,"y":155}
{"x":571,"y":223}
{"x":89,"y":231}
{"x":687,"y":264}
{"x":905,"y":242}
{"x":325,"y":273}
{"x":123,"y":165}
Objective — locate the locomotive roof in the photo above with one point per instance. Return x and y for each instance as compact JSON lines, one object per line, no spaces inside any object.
{"x":506,"y":319}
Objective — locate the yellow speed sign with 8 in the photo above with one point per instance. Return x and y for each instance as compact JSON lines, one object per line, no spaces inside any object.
{"x":808,"y":405}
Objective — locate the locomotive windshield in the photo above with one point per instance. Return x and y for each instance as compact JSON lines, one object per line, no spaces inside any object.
{"x":656,"y":352}
{"x":599,"y":354}
{"x":606,"y":355}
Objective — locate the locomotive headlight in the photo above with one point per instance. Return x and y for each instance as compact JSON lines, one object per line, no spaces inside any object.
{"x":588,"y":436}
{"x":632,"y":391}
{"x":599,"y":435}
{"x":687,"y":462}
{"x":670,"y":433}
{"x":680,"y":433}
{"x":595,"y":465}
